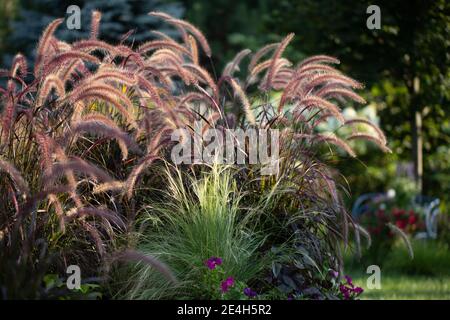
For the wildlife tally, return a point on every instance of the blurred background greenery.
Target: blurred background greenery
(404, 66)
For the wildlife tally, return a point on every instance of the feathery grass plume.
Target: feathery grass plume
(210, 100)
(253, 76)
(91, 45)
(277, 55)
(77, 165)
(396, 230)
(279, 65)
(50, 82)
(44, 44)
(194, 49)
(157, 76)
(19, 66)
(95, 24)
(162, 35)
(263, 66)
(312, 67)
(109, 186)
(134, 256)
(331, 138)
(119, 75)
(126, 36)
(48, 149)
(284, 75)
(60, 46)
(131, 57)
(54, 201)
(108, 94)
(260, 67)
(7, 117)
(290, 91)
(15, 175)
(162, 44)
(70, 176)
(314, 101)
(203, 76)
(333, 78)
(300, 85)
(279, 83)
(378, 141)
(59, 59)
(96, 212)
(179, 70)
(170, 61)
(99, 126)
(161, 55)
(370, 124)
(95, 235)
(259, 54)
(70, 71)
(159, 140)
(31, 203)
(150, 89)
(233, 66)
(188, 27)
(188, 97)
(319, 59)
(136, 172)
(332, 91)
(244, 100)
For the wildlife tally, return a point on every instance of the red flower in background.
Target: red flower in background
(406, 220)
(412, 218)
(401, 224)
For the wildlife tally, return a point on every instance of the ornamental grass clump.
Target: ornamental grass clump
(84, 134)
(196, 229)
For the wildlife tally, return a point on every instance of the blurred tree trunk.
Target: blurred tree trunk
(417, 138)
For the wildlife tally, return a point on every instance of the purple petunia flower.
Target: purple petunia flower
(349, 290)
(358, 290)
(250, 293)
(212, 262)
(345, 291)
(334, 274)
(227, 284)
(349, 280)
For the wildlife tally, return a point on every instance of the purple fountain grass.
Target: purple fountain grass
(56, 129)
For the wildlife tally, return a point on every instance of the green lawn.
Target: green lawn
(401, 287)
